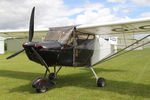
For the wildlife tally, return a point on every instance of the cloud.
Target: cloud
(95, 13)
(89, 13)
(142, 2)
(139, 2)
(146, 14)
(115, 1)
(16, 14)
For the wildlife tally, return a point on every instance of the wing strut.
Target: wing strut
(122, 50)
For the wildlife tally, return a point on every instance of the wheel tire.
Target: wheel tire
(40, 84)
(41, 90)
(101, 82)
(51, 76)
(34, 83)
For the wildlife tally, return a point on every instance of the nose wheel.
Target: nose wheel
(41, 90)
(42, 84)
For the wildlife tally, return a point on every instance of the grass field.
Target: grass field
(127, 77)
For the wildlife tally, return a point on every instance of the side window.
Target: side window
(84, 38)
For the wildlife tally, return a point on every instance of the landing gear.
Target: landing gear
(100, 81)
(42, 84)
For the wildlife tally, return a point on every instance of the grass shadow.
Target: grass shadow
(19, 74)
(83, 80)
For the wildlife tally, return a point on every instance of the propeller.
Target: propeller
(31, 26)
(31, 33)
(13, 55)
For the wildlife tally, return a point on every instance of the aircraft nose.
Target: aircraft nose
(32, 44)
(25, 44)
(37, 45)
(28, 44)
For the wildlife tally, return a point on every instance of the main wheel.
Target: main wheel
(35, 82)
(51, 76)
(41, 90)
(101, 82)
(41, 84)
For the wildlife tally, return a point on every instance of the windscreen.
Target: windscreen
(59, 34)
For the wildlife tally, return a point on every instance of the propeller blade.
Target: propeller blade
(15, 54)
(41, 59)
(31, 26)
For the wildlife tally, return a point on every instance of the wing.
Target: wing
(138, 26)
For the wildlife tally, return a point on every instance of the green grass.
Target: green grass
(127, 77)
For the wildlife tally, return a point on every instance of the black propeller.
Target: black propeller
(31, 33)
(15, 54)
(31, 26)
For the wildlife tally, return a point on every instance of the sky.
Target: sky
(15, 14)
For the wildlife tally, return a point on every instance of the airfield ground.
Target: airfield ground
(127, 77)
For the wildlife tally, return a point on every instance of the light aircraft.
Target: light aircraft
(80, 46)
